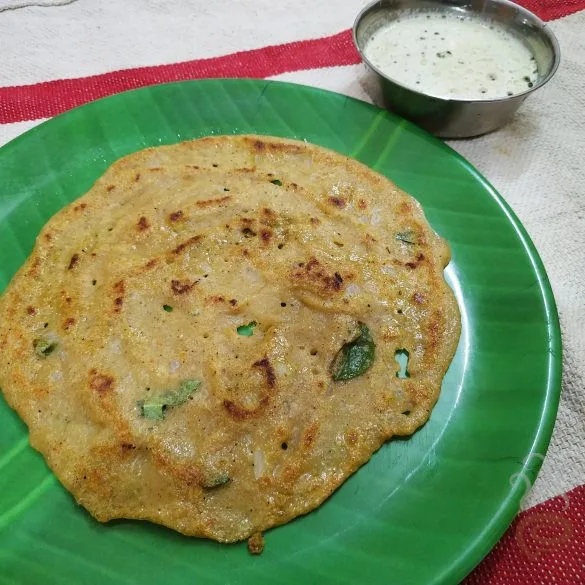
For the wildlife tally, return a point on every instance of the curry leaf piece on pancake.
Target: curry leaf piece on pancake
(355, 357)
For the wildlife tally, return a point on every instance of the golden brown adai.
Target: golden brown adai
(207, 338)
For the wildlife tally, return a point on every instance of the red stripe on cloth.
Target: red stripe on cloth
(43, 100)
(545, 544)
(553, 9)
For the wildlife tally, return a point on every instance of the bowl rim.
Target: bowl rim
(543, 27)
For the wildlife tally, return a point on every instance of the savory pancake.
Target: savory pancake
(214, 337)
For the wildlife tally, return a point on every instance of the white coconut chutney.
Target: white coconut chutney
(452, 56)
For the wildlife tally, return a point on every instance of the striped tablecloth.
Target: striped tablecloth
(58, 54)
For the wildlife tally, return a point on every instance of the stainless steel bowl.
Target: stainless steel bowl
(457, 118)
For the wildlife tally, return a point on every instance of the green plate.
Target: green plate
(424, 510)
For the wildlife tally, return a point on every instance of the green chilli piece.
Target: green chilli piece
(277, 182)
(168, 308)
(355, 357)
(217, 481)
(247, 330)
(154, 408)
(44, 347)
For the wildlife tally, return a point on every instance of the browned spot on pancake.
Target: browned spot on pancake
(233, 302)
(265, 235)
(213, 202)
(137, 177)
(315, 273)
(434, 330)
(312, 263)
(30, 310)
(80, 207)
(369, 241)
(351, 437)
(142, 224)
(120, 289)
(187, 474)
(215, 300)
(362, 204)
(268, 216)
(196, 167)
(289, 474)
(155, 169)
(73, 262)
(48, 236)
(151, 263)
(181, 287)
(315, 221)
(389, 336)
(34, 269)
(310, 435)
(418, 393)
(176, 215)
(248, 233)
(68, 300)
(240, 413)
(69, 323)
(245, 252)
(100, 382)
(110, 188)
(256, 544)
(418, 298)
(260, 146)
(404, 208)
(337, 202)
(419, 259)
(186, 244)
(127, 446)
(266, 366)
